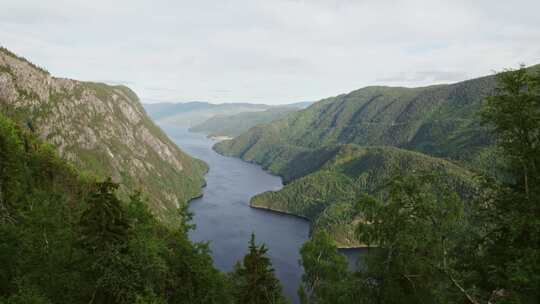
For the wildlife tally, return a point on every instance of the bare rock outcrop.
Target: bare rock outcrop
(102, 129)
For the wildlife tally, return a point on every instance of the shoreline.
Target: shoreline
(281, 212)
(250, 162)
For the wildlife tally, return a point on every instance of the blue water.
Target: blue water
(223, 216)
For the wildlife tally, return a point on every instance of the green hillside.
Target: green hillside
(327, 196)
(437, 120)
(234, 125)
(398, 129)
(100, 128)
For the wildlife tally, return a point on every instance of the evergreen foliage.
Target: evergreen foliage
(65, 238)
(254, 280)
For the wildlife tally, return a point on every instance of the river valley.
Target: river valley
(223, 216)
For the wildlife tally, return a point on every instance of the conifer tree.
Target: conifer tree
(104, 222)
(254, 278)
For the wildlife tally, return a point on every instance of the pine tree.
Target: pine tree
(254, 278)
(104, 222)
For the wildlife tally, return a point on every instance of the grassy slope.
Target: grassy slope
(327, 196)
(234, 125)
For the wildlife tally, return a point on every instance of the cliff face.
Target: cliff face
(102, 129)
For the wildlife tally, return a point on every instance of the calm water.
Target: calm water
(224, 218)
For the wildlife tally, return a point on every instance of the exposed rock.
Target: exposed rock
(102, 129)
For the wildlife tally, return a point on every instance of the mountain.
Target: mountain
(301, 104)
(327, 196)
(161, 110)
(192, 113)
(234, 125)
(101, 129)
(437, 120)
(385, 129)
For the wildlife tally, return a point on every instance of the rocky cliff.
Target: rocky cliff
(101, 129)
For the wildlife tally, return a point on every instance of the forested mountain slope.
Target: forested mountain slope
(397, 130)
(437, 120)
(100, 128)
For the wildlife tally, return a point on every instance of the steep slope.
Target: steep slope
(192, 113)
(327, 196)
(234, 125)
(100, 128)
(437, 120)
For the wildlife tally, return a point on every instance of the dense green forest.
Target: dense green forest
(426, 245)
(439, 120)
(66, 237)
(346, 146)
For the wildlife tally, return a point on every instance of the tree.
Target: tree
(104, 231)
(254, 279)
(509, 242)
(513, 115)
(104, 222)
(413, 233)
(11, 168)
(325, 278)
(66, 239)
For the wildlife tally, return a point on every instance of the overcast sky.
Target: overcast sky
(271, 51)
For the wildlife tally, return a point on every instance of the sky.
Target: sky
(271, 51)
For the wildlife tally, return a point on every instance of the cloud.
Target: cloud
(425, 76)
(270, 51)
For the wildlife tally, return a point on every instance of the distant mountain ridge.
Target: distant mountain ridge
(437, 120)
(197, 112)
(236, 124)
(192, 113)
(102, 129)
